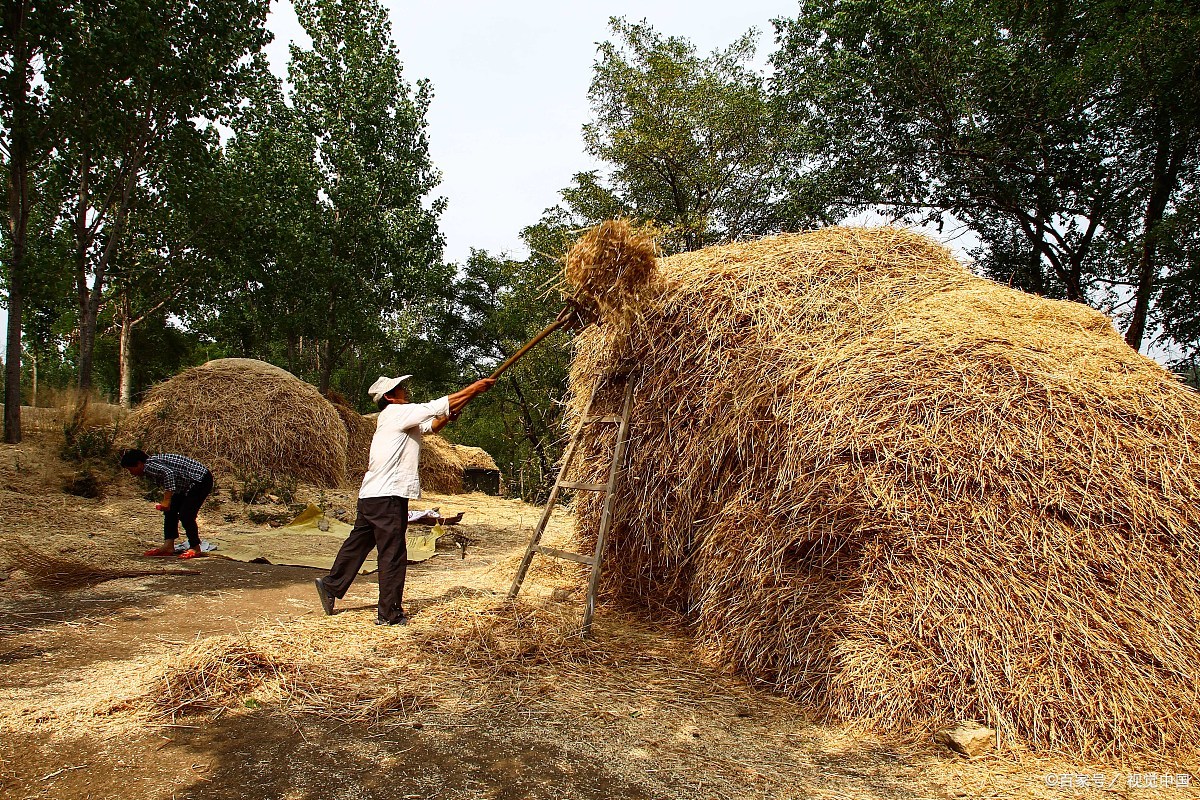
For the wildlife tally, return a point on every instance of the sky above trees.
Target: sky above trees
(510, 83)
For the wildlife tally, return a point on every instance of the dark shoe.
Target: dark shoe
(326, 597)
(400, 620)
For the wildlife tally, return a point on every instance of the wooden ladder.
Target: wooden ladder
(594, 560)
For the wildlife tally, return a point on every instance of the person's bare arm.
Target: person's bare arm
(459, 400)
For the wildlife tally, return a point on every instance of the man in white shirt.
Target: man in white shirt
(391, 481)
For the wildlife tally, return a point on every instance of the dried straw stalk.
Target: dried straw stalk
(905, 494)
(58, 572)
(359, 432)
(239, 415)
(470, 653)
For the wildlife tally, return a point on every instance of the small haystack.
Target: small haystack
(443, 464)
(242, 416)
(905, 494)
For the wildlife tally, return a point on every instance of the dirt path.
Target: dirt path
(694, 732)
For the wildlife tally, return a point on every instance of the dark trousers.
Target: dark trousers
(382, 523)
(184, 508)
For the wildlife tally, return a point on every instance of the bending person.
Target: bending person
(186, 483)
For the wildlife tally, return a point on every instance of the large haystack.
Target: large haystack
(242, 416)
(908, 495)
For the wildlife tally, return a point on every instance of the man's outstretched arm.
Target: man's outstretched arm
(459, 400)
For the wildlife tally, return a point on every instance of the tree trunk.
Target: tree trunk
(535, 441)
(89, 299)
(326, 370)
(19, 147)
(87, 340)
(33, 388)
(1168, 158)
(291, 352)
(12, 361)
(124, 357)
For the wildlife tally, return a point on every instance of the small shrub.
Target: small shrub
(81, 442)
(273, 518)
(254, 488)
(84, 482)
(285, 490)
(249, 488)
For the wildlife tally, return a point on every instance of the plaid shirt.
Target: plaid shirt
(174, 473)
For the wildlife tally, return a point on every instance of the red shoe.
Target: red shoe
(190, 553)
(158, 553)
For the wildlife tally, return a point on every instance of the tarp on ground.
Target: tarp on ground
(311, 539)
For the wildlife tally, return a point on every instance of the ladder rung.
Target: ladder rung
(601, 419)
(588, 487)
(563, 554)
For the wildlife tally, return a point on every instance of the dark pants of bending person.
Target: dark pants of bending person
(382, 523)
(184, 508)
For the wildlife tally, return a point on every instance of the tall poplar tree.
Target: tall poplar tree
(362, 129)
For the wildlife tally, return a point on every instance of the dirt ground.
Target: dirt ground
(643, 715)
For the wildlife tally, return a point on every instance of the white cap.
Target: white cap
(383, 385)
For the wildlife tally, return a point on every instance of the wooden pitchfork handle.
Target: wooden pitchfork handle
(564, 317)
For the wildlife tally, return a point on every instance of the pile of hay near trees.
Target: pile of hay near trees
(359, 431)
(442, 462)
(904, 494)
(242, 416)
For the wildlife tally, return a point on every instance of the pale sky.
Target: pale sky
(510, 97)
(510, 93)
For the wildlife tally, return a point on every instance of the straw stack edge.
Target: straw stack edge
(900, 493)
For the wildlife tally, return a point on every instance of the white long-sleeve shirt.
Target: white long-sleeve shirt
(396, 448)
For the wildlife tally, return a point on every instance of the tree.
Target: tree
(29, 40)
(501, 304)
(1155, 107)
(1021, 119)
(376, 245)
(165, 261)
(691, 139)
(134, 76)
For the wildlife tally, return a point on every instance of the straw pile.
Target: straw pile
(614, 262)
(242, 416)
(359, 431)
(443, 463)
(481, 653)
(904, 494)
(58, 572)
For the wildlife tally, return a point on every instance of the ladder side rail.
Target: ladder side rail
(538, 532)
(614, 471)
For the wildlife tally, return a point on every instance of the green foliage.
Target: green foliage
(262, 517)
(252, 488)
(334, 253)
(501, 304)
(691, 140)
(1060, 133)
(83, 441)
